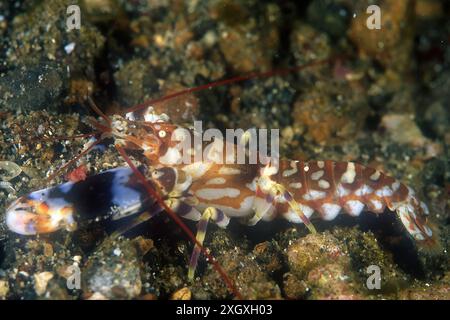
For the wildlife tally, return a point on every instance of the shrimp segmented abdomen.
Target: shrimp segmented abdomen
(330, 187)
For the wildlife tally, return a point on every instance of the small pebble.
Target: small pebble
(69, 48)
(40, 282)
(182, 294)
(4, 289)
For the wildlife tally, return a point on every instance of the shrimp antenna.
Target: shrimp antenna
(100, 113)
(97, 110)
(72, 161)
(58, 138)
(253, 75)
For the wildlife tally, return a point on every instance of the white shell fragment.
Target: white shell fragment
(69, 47)
(9, 170)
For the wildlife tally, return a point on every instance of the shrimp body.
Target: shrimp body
(290, 189)
(195, 182)
(257, 192)
(191, 180)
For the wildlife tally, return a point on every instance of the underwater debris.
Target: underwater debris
(393, 46)
(41, 281)
(113, 272)
(4, 289)
(9, 170)
(7, 186)
(182, 294)
(254, 283)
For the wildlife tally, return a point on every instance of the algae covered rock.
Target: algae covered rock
(322, 265)
(113, 272)
(392, 44)
(43, 56)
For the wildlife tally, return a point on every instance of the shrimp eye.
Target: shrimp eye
(162, 134)
(157, 174)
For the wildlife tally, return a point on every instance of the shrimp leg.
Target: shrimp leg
(220, 219)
